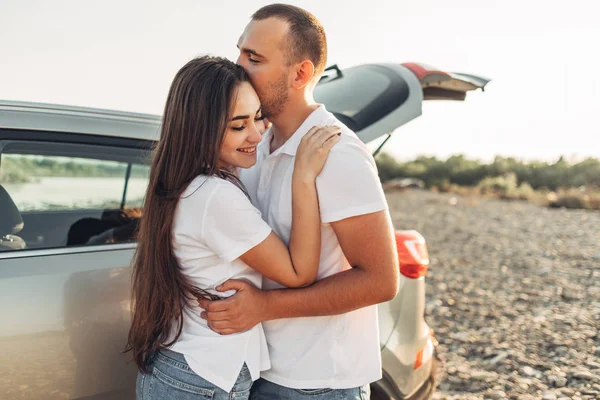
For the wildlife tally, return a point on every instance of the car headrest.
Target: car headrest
(10, 217)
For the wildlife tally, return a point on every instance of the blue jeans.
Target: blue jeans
(171, 377)
(265, 390)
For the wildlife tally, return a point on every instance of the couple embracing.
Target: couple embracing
(266, 240)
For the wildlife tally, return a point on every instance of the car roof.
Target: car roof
(20, 115)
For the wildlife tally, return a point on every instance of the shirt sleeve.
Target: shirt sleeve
(232, 225)
(349, 184)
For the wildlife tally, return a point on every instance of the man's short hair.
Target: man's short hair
(306, 36)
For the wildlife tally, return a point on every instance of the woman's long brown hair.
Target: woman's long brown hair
(194, 123)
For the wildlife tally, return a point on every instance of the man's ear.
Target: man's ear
(305, 72)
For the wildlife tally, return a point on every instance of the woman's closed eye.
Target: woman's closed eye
(241, 128)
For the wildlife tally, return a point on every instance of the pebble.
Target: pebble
(495, 395)
(484, 376)
(528, 371)
(557, 381)
(499, 358)
(567, 391)
(585, 375)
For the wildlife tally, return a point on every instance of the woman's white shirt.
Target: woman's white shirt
(215, 223)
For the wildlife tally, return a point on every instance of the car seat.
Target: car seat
(11, 222)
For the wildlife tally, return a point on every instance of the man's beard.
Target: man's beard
(274, 98)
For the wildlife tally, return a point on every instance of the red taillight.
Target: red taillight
(419, 359)
(412, 254)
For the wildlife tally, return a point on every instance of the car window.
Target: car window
(63, 194)
(363, 95)
(47, 183)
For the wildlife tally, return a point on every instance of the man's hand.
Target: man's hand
(237, 313)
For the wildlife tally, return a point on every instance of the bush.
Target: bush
(499, 185)
(14, 176)
(387, 167)
(523, 192)
(575, 198)
(593, 202)
(569, 201)
(459, 170)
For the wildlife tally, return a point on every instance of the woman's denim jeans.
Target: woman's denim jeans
(171, 377)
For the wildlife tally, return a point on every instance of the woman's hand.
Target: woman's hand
(314, 149)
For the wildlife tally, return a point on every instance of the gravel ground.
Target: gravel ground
(513, 295)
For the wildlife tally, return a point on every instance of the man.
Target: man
(333, 351)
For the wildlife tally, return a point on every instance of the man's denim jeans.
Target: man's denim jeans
(265, 390)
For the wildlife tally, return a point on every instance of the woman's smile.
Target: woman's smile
(247, 150)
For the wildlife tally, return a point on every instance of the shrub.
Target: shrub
(14, 176)
(499, 185)
(569, 201)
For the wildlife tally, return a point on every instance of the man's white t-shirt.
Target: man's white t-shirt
(340, 351)
(215, 223)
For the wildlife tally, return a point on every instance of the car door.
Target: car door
(375, 99)
(441, 85)
(65, 290)
(371, 99)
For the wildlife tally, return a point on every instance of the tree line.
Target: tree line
(22, 169)
(459, 170)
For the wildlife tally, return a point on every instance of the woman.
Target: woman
(200, 229)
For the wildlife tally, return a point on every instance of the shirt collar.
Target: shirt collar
(317, 117)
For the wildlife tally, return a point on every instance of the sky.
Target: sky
(543, 101)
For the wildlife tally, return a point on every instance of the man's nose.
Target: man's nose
(240, 60)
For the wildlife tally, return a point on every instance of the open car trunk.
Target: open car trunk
(375, 99)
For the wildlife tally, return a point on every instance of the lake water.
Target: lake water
(64, 192)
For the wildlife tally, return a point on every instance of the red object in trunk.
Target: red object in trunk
(412, 254)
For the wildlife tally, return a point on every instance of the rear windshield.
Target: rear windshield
(363, 95)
